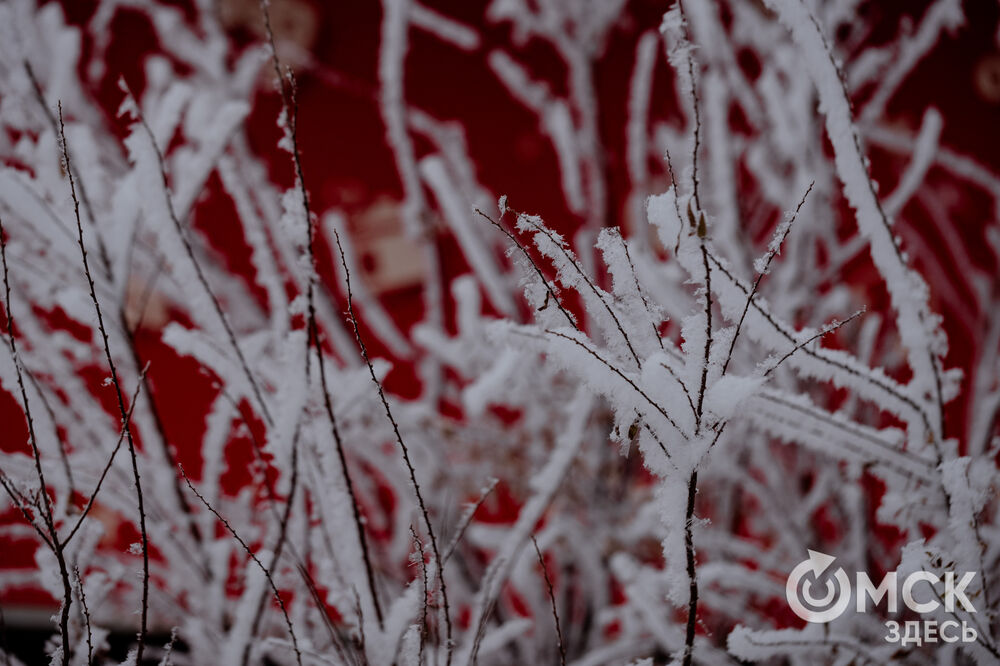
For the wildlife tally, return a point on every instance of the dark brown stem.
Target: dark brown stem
(708, 337)
(46, 505)
(15, 357)
(23, 505)
(772, 251)
(60, 439)
(123, 411)
(289, 101)
(282, 539)
(466, 520)
(402, 447)
(692, 613)
(549, 289)
(86, 616)
(687, 394)
(583, 275)
(638, 287)
(621, 374)
(160, 429)
(107, 468)
(256, 560)
(199, 272)
(54, 123)
(552, 600)
(677, 206)
(423, 605)
(342, 458)
(694, 104)
(826, 329)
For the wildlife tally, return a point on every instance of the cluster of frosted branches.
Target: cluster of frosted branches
(678, 408)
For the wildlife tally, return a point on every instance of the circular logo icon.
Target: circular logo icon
(825, 605)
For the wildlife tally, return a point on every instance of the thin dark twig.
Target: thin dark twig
(15, 357)
(336, 635)
(272, 496)
(621, 374)
(198, 271)
(583, 275)
(552, 600)
(697, 134)
(60, 438)
(466, 519)
(719, 429)
(692, 573)
(84, 198)
(129, 333)
(638, 287)
(549, 289)
(123, 411)
(107, 467)
(86, 616)
(677, 206)
(361, 620)
(773, 249)
(45, 506)
(279, 547)
(789, 335)
(402, 446)
(708, 336)
(660, 443)
(423, 605)
(342, 459)
(289, 101)
(692, 610)
(22, 504)
(823, 331)
(687, 394)
(702, 232)
(887, 226)
(256, 560)
(694, 104)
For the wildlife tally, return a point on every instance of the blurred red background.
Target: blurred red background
(349, 166)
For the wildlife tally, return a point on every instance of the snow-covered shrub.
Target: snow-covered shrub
(678, 406)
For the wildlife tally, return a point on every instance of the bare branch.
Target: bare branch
(126, 425)
(552, 600)
(256, 560)
(773, 249)
(402, 447)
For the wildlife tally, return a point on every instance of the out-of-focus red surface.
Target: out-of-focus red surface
(348, 165)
